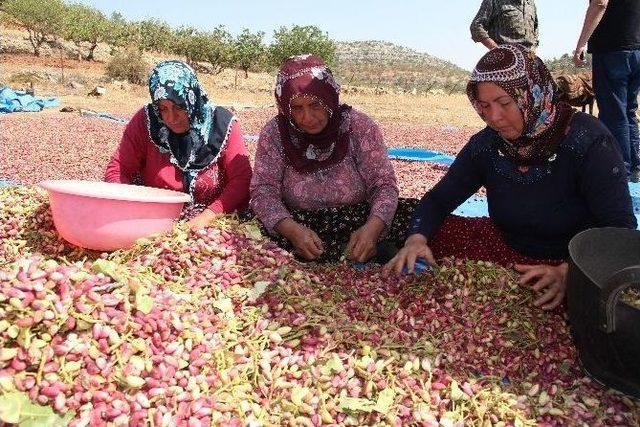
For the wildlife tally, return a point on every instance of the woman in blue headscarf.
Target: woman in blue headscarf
(181, 141)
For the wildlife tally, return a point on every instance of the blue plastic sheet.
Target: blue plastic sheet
(634, 190)
(419, 154)
(12, 101)
(6, 183)
(474, 206)
(101, 115)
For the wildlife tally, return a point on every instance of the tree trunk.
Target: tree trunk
(246, 73)
(61, 64)
(33, 39)
(90, 56)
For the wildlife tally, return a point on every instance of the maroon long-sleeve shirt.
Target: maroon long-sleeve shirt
(222, 187)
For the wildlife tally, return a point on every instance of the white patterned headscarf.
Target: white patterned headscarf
(525, 78)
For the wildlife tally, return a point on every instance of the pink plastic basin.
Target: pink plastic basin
(105, 216)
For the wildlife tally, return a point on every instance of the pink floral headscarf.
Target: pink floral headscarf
(307, 75)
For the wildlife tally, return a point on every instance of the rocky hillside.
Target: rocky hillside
(385, 65)
(380, 66)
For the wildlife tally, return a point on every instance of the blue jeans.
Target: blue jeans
(616, 83)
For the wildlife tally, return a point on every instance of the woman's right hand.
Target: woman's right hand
(305, 241)
(414, 247)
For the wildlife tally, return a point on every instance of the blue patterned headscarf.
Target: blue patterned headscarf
(209, 126)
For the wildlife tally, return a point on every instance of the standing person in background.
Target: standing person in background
(612, 29)
(506, 21)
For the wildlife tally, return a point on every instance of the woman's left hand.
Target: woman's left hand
(363, 241)
(201, 220)
(551, 278)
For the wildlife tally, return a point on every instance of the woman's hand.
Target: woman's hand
(201, 220)
(415, 247)
(362, 243)
(553, 279)
(305, 241)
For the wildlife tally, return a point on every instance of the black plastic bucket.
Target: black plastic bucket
(603, 263)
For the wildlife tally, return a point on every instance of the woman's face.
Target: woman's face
(173, 116)
(499, 110)
(309, 115)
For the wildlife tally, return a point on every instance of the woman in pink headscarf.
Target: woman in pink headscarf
(323, 185)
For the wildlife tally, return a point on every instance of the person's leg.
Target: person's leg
(334, 227)
(632, 107)
(394, 238)
(610, 84)
(477, 239)
(397, 233)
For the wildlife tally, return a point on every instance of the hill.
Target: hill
(385, 65)
(381, 66)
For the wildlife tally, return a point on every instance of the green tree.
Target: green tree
(43, 19)
(248, 50)
(217, 49)
(121, 33)
(117, 24)
(85, 24)
(153, 35)
(300, 40)
(212, 47)
(183, 43)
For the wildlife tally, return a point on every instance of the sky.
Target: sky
(439, 28)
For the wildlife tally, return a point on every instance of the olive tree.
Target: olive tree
(43, 19)
(300, 40)
(85, 24)
(248, 50)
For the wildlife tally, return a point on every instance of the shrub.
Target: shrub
(128, 65)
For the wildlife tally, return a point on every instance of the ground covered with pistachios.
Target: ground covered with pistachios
(220, 327)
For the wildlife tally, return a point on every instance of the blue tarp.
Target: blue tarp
(474, 206)
(12, 101)
(420, 154)
(101, 115)
(6, 183)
